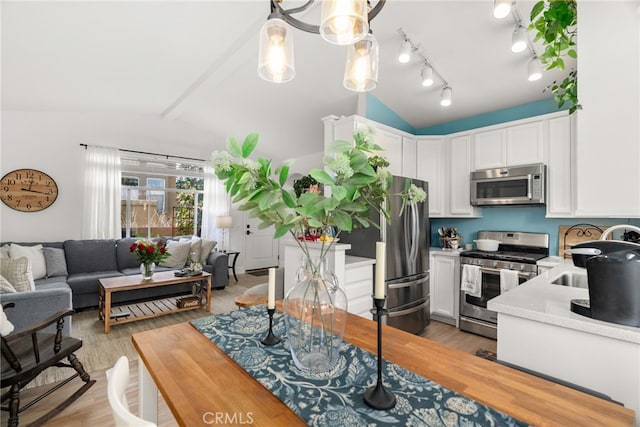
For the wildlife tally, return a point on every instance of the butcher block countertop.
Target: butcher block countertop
(175, 354)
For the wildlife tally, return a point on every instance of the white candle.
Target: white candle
(271, 302)
(381, 254)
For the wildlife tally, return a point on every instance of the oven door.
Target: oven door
(476, 307)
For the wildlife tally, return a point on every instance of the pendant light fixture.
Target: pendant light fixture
(361, 70)
(342, 22)
(276, 61)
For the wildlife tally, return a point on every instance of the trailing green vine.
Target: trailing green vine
(555, 23)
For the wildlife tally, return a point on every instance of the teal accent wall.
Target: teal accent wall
(518, 112)
(379, 112)
(521, 218)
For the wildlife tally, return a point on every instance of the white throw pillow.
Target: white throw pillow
(18, 273)
(6, 287)
(6, 327)
(179, 254)
(205, 250)
(196, 245)
(35, 255)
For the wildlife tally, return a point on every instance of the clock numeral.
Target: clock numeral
(11, 182)
(28, 206)
(30, 174)
(9, 197)
(40, 203)
(18, 203)
(18, 176)
(5, 188)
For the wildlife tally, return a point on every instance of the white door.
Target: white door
(261, 249)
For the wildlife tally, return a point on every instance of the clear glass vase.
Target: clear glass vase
(147, 269)
(317, 314)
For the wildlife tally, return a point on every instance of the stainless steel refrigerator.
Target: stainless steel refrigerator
(407, 270)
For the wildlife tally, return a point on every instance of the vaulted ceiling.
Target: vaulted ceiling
(196, 62)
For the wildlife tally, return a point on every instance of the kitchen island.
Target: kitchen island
(538, 331)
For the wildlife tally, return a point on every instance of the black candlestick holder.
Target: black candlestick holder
(377, 396)
(270, 339)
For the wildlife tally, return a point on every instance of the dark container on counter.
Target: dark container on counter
(614, 287)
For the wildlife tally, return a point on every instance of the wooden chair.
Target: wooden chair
(118, 378)
(26, 353)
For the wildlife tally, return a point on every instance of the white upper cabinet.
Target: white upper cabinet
(409, 157)
(508, 146)
(391, 143)
(459, 193)
(558, 150)
(607, 145)
(431, 161)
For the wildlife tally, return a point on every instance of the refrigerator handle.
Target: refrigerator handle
(415, 232)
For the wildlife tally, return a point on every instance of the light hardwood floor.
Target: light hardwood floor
(92, 409)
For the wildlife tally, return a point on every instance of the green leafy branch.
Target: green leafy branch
(555, 23)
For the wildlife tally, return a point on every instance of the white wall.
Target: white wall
(50, 142)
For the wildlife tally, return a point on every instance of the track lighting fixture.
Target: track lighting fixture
(427, 75)
(519, 39)
(405, 52)
(501, 8)
(428, 70)
(445, 96)
(534, 69)
(342, 22)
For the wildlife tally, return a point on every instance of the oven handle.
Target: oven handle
(489, 270)
(529, 186)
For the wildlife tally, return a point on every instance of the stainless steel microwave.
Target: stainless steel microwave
(517, 185)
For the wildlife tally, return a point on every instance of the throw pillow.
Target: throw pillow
(6, 327)
(35, 255)
(18, 273)
(179, 254)
(4, 251)
(5, 287)
(196, 245)
(205, 250)
(55, 261)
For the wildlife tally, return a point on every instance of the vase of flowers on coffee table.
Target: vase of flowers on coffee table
(149, 254)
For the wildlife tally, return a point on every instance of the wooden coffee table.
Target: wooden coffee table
(145, 310)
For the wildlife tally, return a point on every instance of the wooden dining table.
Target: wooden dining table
(203, 386)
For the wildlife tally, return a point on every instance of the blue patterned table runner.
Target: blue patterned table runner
(335, 398)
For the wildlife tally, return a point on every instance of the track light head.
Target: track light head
(501, 8)
(427, 75)
(405, 51)
(445, 96)
(534, 70)
(519, 39)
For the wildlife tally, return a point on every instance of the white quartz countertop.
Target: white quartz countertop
(358, 261)
(554, 261)
(317, 245)
(540, 300)
(445, 252)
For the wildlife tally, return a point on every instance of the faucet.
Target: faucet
(608, 231)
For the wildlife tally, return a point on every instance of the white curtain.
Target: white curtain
(101, 211)
(216, 202)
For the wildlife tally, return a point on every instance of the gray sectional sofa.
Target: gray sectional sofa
(87, 261)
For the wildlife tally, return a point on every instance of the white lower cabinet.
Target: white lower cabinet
(358, 285)
(444, 285)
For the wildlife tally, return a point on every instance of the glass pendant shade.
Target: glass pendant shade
(344, 22)
(501, 8)
(445, 96)
(534, 70)
(276, 60)
(427, 76)
(519, 40)
(361, 70)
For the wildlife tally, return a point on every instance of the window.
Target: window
(157, 195)
(128, 183)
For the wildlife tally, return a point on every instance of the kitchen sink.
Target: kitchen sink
(574, 280)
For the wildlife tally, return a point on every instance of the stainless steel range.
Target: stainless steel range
(517, 252)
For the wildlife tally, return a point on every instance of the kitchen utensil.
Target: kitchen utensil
(488, 245)
(614, 287)
(581, 252)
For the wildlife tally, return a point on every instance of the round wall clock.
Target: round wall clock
(28, 190)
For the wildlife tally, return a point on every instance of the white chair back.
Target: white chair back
(117, 381)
